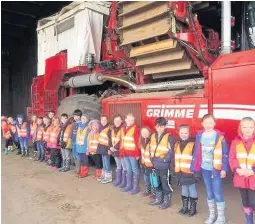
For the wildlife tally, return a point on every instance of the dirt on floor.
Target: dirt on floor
(34, 194)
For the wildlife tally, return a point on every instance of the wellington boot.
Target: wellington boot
(83, 172)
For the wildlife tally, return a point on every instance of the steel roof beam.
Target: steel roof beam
(16, 12)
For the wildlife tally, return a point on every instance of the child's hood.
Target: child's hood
(20, 116)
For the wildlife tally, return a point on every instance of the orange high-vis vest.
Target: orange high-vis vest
(39, 133)
(67, 133)
(183, 160)
(162, 148)
(127, 139)
(54, 132)
(93, 141)
(115, 137)
(33, 127)
(245, 160)
(217, 154)
(22, 132)
(6, 130)
(46, 133)
(81, 135)
(146, 156)
(103, 137)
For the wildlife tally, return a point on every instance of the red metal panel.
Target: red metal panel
(178, 110)
(54, 70)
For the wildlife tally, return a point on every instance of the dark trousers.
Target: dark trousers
(84, 159)
(56, 157)
(164, 181)
(248, 198)
(98, 161)
(8, 142)
(35, 146)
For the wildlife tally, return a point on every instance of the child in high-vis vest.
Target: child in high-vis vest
(242, 163)
(104, 150)
(14, 133)
(183, 152)
(93, 141)
(38, 139)
(130, 151)
(56, 158)
(65, 143)
(146, 163)
(81, 145)
(77, 119)
(210, 158)
(33, 126)
(114, 146)
(23, 130)
(161, 148)
(6, 134)
(46, 137)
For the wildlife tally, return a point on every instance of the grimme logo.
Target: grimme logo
(171, 111)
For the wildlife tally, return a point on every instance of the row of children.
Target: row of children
(160, 157)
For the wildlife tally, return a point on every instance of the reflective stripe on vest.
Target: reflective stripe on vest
(127, 139)
(103, 137)
(145, 156)
(54, 135)
(115, 138)
(245, 160)
(39, 134)
(183, 160)
(81, 135)
(67, 133)
(22, 132)
(217, 154)
(46, 134)
(93, 141)
(163, 147)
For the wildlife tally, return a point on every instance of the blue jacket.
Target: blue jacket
(83, 148)
(197, 155)
(19, 125)
(74, 131)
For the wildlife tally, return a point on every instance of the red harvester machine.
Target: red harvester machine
(171, 59)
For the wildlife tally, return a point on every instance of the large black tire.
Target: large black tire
(90, 104)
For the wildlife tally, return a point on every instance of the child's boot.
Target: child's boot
(102, 176)
(158, 200)
(185, 205)
(136, 187)
(83, 172)
(123, 179)
(248, 215)
(166, 201)
(153, 193)
(6, 151)
(212, 213)
(63, 165)
(118, 178)
(221, 219)
(68, 164)
(193, 207)
(129, 185)
(108, 177)
(77, 166)
(22, 153)
(99, 174)
(147, 190)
